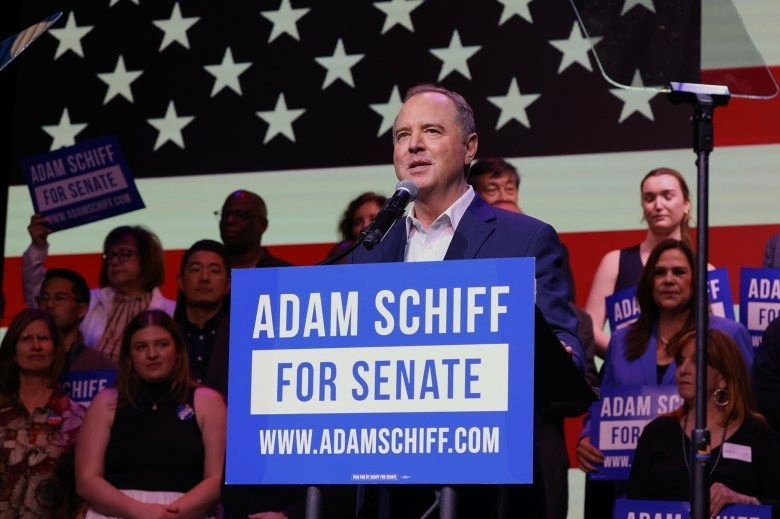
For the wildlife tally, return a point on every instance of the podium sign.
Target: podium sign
(382, 373)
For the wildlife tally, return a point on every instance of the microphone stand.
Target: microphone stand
(704, 99)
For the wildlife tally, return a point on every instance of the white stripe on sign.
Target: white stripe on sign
(761, 314)
(620, 434)
(402, 379)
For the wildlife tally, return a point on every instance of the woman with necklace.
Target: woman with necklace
(744, 465)
(38, 422)
(152, 447)
(639, 354)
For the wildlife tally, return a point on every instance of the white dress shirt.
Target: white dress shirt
(432, 244)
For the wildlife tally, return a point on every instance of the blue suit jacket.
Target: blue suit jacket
(487, 232)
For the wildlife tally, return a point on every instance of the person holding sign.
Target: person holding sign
(639, 354)
(154, 445)
(38, 422)
(435, 142)
(666, 207)
(132, 271)
(744, 463)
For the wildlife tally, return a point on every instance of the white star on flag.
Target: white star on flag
(635, 99)
(339, 65)
(455, 57)
(515, 7)
(64, 133)
(170, 127)
(398, 12)
(388, 110)
(280, 120)
(630, 4)
(176, 28)
(285, 20)
(575, 49)
(226, 73)
(119, 81)
(69, 37)
(513, 105)
(114, 2)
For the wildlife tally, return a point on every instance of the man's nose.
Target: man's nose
(416, 141)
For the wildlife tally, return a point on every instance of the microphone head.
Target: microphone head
(409, 186)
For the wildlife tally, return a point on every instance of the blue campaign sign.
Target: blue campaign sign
(645, 509)
(719, 289)
(82, 386)
(618, 419)
(759, 298)
(382, 373)
(81, 184)
(622, 308)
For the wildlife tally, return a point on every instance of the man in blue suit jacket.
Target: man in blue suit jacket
(434, 143)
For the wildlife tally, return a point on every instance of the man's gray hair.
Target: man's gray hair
(465, 115)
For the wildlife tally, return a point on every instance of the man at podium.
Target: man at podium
(434, 143)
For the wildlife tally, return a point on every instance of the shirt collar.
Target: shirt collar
(453, 213)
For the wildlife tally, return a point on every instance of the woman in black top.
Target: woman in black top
(152, 447)
(744, 467)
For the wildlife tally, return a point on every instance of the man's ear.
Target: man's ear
(471, 147)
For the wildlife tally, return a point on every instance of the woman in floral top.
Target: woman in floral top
(38, 423)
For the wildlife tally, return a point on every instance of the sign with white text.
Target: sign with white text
(759, 300)
(618, 419)
(83, 386)
(382, 373)
(645, 509)
(80, 184)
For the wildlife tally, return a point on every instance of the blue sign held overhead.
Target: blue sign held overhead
(81, 184)
(618, 419)
(759, 297)
(383, 373)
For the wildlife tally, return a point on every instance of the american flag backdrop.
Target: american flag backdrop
(295, 100)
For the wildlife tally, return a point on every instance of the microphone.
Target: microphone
(405, 192)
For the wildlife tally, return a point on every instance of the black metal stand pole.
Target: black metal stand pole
(704, 99)
(448, 504)
(313, 503)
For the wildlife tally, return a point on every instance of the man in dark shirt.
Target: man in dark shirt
(204, 283)
(65, 296)
(242, 222)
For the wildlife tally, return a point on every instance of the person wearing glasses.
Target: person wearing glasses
(65, 297)
(38, 422)
(242, 222)
(130, 276)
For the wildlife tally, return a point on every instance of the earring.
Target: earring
(721, 397)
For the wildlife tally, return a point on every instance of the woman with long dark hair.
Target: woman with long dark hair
(666, 208)
(154, 445)
(38, 422)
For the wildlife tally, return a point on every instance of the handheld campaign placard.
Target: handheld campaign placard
(81, 184)
(623, 308)
(382, 373)
(759, 298)
(83, 386)
(645, 509)
(618, 419)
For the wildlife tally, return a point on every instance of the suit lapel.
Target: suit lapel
(394, 244)
(477, 224)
